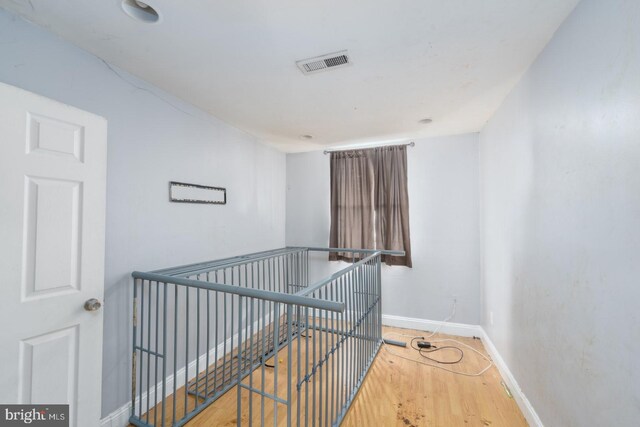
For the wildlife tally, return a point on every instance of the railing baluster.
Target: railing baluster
(164, 353)
(141, 358)
(251, 360)
(155, 361)
(306, 367)
(134, 353)
(206, 377)
(289, 358)
(197, 381)
(239, 380)
(224, 317)
(186, 352)
(262, 356)
(217, 343)
(276, 343)
(175, 351)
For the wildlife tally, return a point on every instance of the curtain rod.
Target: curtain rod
(411, 144)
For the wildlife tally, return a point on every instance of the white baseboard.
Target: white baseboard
(459, 329)
(120, 417)
(525, 406)
(465, 330)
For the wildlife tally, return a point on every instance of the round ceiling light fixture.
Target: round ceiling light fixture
(425, 121)
(140, 11)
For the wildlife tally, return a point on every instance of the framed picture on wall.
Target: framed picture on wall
(182, 192)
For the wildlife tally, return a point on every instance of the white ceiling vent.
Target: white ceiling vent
(325, 62)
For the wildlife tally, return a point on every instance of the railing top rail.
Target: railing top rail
(315, 286)
(372, 254)
(361, 251)
(240, 260)
(190, 269)
(200, 267)
(241, 291)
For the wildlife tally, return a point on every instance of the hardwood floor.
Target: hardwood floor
(396, 392)
(399, 392)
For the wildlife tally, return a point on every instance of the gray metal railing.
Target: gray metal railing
(200, 330)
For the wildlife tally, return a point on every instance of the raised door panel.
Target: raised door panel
(52, 235)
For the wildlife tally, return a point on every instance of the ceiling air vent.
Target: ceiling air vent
(324, 62)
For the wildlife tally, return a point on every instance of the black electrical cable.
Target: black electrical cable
(264, 359)
(433, 348)
(264, 362)
(273, 366)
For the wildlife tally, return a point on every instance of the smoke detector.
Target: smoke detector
(329, 61)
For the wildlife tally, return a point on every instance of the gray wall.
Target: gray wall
(443, 204)
(153, 138)
(560, 167)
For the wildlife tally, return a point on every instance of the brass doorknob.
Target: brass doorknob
(92, 304)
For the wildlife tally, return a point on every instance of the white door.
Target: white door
(52, 211)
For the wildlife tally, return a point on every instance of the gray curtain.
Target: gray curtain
(370, 202)
(391, 201)
(352, 212)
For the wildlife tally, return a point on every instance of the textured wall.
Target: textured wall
(560, 167)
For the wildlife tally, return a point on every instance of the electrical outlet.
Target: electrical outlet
(491, 318)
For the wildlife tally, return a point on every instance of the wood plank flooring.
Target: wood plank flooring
(396, 392)
(399, 392)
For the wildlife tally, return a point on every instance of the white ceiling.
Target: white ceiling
(450, 60)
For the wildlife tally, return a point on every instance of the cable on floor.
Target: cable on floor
(423, 351)
(387, 347)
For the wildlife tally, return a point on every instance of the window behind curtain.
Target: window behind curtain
(370, 202)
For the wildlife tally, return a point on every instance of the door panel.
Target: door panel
(50, 136)
(49, 367)
(52, 209)
(52, 236)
